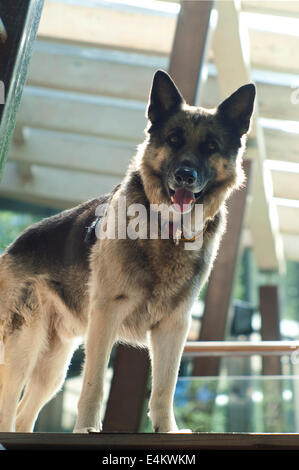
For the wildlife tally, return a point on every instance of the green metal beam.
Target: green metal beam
(19, 24)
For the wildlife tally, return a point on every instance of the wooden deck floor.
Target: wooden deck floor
(195, 441)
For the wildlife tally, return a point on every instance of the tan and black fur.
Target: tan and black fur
(59, 282)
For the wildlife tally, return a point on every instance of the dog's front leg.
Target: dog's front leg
(167, 343)
(102, 332)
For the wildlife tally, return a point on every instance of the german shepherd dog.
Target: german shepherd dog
(60, 282)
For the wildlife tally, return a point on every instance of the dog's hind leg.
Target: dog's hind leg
(45, 381)
(21, 350)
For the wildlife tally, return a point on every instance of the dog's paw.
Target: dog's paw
(180, 431)
(87, 430)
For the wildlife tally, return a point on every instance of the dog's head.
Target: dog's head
(191, 154)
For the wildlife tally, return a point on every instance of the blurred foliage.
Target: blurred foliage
(12, 224)
(234, 404)
(248, 279)
(239, 285)
(290, 291)
(194, 404)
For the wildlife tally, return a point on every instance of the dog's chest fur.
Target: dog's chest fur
(148, 279)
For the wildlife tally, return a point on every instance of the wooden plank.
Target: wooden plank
(288, 216)
(270, 315)
(290, 241)
(85, 114)
(291, 246)
(218, 295)
(196, 441)
(93, 70)
(274, 51)
(118, 27)
(273, 7)
(128, 390)
(285, 181)
(60, 189)
(73, 152)
(275, 101)
(281, 145)
(97, 71)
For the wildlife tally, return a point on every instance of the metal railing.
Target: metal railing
(241, 348)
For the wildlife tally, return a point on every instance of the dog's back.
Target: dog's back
(55, 251)
(57, 240)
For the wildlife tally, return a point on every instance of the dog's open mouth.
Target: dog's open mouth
(183, 199)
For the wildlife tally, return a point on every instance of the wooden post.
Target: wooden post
(126, 398)
(272, 405)
(128, 390)
(269, 309)
(189, 46)
(220, 285)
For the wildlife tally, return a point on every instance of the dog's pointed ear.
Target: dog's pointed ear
(165, 97)
(237, 109)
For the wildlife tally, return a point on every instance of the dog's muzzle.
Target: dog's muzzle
(185, 186)
(185, 176)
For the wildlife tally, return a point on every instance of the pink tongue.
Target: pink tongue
(183, 197)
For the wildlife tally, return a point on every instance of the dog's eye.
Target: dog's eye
(212, 146)
(174, 140)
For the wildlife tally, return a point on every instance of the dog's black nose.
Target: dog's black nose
(185, 176)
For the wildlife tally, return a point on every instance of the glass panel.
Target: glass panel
(238, 404)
